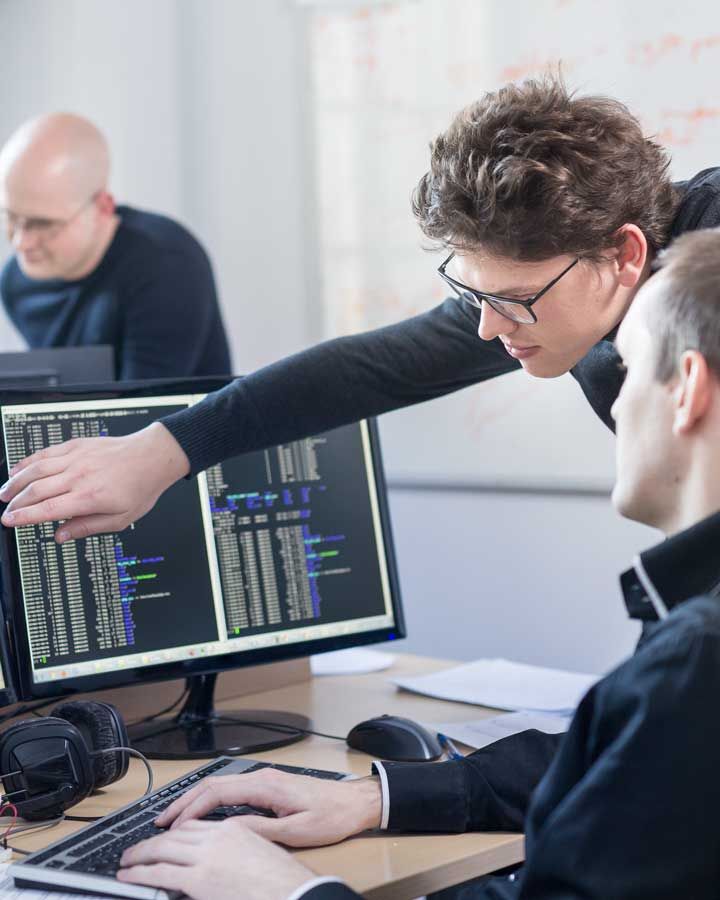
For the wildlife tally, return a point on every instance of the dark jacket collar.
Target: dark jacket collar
(683, 566)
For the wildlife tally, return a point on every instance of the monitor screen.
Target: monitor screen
(49, 366)
(269, 555)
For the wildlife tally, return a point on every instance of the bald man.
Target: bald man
(86, 271)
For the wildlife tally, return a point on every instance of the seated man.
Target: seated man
(628, 807)
(88, 272)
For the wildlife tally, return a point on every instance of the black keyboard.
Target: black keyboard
(88, 860)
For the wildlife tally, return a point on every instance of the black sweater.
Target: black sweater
(152, 297)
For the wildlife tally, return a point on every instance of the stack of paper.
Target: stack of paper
(482, 732)
(353, 661)
(502, 684)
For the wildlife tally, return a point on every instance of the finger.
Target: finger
(165, 848)
(86, 526)
(197, 809)
(46, 453)
(32, 474)
(188, 799)
(52, 485)
(81, 508)
(261, 789)
(53, 509)
(163, 875)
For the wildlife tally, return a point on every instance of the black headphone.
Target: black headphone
(49, 764)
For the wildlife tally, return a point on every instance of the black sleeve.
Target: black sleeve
(642, 820)
(489, 790)
(341, 381)
(168, 312)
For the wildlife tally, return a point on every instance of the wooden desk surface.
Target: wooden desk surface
(377, 865)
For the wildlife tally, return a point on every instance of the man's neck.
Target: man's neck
(699, 493)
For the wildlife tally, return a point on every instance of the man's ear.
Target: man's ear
(631, 256)
(105, 203)
(692, 392)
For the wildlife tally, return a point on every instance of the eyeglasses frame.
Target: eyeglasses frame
(53, 227)
(479, 296)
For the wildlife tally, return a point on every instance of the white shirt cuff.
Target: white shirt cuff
(314, 882)
(385, 791)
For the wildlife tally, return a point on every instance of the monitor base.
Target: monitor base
(201, 732)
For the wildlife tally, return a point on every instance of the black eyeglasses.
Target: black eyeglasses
(515, 310)
(43, 229)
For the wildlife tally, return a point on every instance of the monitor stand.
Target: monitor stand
(199, 731)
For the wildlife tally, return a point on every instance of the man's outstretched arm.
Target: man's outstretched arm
(105, 484)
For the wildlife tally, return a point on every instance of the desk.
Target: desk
(378, 866)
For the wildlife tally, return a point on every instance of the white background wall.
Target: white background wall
(206, 106)
(202, 105)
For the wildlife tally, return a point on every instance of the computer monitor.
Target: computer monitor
(271, 555)
(51, 366)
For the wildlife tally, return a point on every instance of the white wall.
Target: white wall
(530, 578)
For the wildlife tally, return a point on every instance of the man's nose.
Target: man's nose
(492, 324)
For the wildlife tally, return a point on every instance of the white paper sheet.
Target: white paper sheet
(353, 661)
(480, 733)
(8, 891)
(502, 684)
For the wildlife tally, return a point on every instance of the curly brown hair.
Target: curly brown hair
(533, 171)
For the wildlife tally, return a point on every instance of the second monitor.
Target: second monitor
(50, 366)
(267, 556)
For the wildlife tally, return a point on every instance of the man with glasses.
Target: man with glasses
(554, 207)
(629, 807)
(85, 271)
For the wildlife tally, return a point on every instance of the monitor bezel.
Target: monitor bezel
(12, 599)
(8, 694)
(67, 365)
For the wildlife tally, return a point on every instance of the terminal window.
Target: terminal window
(270, 547)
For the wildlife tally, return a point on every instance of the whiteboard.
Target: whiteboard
(385, 79)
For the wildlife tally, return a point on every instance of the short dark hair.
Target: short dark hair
(533, 171)
(688, 313)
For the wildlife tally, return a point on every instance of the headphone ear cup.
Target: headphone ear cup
(102, 727)
(48, 765)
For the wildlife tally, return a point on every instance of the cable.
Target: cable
(36, 826)
(162, 712)
(279, 726)
(3, 809)
(31, 707)
(132, 752)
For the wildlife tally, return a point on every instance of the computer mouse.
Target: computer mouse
(395, 738)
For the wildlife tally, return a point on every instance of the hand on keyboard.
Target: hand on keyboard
(310, 812)
(214, 861)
